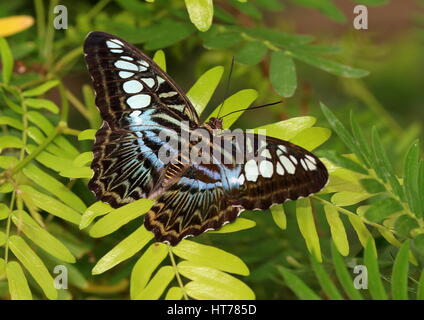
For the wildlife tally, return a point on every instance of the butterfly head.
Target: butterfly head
(215, 123)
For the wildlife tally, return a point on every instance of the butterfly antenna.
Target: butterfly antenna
(252, 108)
(227, 89)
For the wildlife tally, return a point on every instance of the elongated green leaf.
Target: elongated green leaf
(83, 159)
(202, 91)
(210, 257)
(50, 204)
(10, 142)
(169, 33)
(34, 265)
(7, 161)
(123, 250)
(41, 88)
(347, 198)
(160, 59)
(251, 53)
(42, 104)
(288, 129)
(299, 287)
(41, 237)
(279, 216)
(11, 122)
(411, 178)
(76, 172)
(283, 74)
(400, 273)
(97, 209)
(18, 285)
(2, 238)
(55, 187)
(88, 134)
(362, 147)
(338, 232)
(343, 275)
(375, 285)
(6, 60)
(174, 293)
(239, 100)
(222, 40)
(119, 217)
(329, 66)
(361, 230)
(342, 161)
(209, 283)
(238, 225)
(145, 266)
(311, 138)
(40, 121)
(278, 37)
(305, 220)
(200, 12)
(51, 161)
(157, 285)
(324, 280)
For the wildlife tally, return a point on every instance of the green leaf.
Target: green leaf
(305, 220)
(239, 100)
(10, 142)
(18, 285)
(210, 256)
(174, 293)
(283, 74)
(201, 13)
(247, 8)
(41, 88)
(89, 134)
(372, 186)
(299, 287)
(347, 198)
(222, 40)
(6, 60)
(405, 224)
(202, 91)
(2, 238)
(400, 274)
(145, 266)
(341, 161)
(288, 129)
(361, 230)
(11, 122)
(76, 172)
(343, 275)
(41, 237)
(278, 37)
(279, 216)
(97, 209)
(338, 232)
(311, 138)
(119, 217)
(42, 104)
(411, 179)
(157, 285)
(329, 66)
(251, 53)
(326, 7)
(34, 265)
(50, 184)
(160, 59)
(238, 225)
(168, 33)
(362, 148)
(50, 205)
(7, 161)
(324, 280)
(123, 250)
(209, 283)
(375, 286)
(83, 159)
(4, 211)
(382, 208)
(40, 121)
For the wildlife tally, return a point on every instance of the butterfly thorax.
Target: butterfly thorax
(214, 123)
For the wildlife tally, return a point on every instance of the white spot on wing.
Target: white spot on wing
(293, 159)
(251, 170)
(126, 58)
(132, 86)
(117, 41)
(310, 158)
(148, 81)
(125, 74)
(302, 162)
(121, 64)
(280, 169)
(139, 101)
(288, 164)
(144, 63)
(241, 179)
(117, 50)
(112, 45)
(310, 165)
(167, 94)
(266, 154)
(266, 168)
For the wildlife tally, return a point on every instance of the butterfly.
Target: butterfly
(138, 102)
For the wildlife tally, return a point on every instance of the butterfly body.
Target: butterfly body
(207, 176)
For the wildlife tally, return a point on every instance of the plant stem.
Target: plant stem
(9, 220)
(48, 43)
(78, 105)
(41, 23)
(177, 274)
(96, 9)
